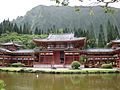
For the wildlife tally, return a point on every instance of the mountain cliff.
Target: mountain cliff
(47, 17)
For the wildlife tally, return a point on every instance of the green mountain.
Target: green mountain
(52, 17)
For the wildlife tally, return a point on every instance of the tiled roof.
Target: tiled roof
(29, 51)
(116, 41)
(113, 41)
(100, 50)
(10, 43)
(24, 51)
(60, 37)
(4, 50)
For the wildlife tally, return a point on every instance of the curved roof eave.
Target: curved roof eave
(70, 40)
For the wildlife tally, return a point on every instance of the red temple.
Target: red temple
(60, 50)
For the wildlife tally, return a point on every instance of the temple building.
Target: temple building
(11, 46)
(59, 50)
(55, 50)
(98, 56)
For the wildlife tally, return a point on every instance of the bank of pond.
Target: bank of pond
(59, 70)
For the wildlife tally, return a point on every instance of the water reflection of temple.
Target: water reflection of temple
(59, 50)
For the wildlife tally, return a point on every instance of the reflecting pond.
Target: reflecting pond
(33, 81)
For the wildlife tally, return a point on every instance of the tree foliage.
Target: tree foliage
(75, 65)
(2, 85)
(66, 2)
(11, 32)
(24, 39)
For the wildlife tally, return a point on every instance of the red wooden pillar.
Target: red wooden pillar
(42, 58)
(39, 57)
(53, 61)
(79, 55)
(17, 59)
(73, 57)
(3, 60)
(64, 60)
(22, 59)
(118, 62)
(28, 60)
(94, 62)
(45, 58)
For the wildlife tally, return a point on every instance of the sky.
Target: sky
(13, 8)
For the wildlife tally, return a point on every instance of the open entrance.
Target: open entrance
(61, 56)
(58, 57)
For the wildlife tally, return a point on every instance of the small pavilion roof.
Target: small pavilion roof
(116, 41)
(4, 50)
(113, 42)
(10, 43)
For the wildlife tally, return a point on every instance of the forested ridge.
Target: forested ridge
(42, 20)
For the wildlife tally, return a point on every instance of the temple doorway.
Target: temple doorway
(58, 57)
(61, 57)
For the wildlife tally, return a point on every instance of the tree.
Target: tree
(66, 2)
(117, 35)
(15, 28)
(20, 30)
(36, 31)
(105, 5)
(112, 32)
(91, 40)
(101, 38)
(26, 28)
(83, 58)
(1, 29)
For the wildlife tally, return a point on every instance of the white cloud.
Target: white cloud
(13, 8)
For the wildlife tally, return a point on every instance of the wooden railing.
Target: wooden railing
(102, 57)
(24, 58)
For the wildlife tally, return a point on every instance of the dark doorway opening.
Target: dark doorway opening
(61, 56)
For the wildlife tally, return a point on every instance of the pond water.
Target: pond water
(33, 81)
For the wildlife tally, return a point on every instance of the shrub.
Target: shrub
(75, 65)
(107, 66)
(83, 58)
(2, 85)
(19, 64)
